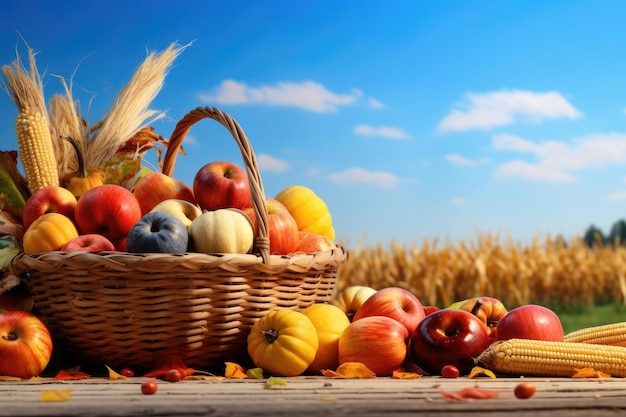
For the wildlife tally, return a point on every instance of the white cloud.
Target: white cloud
(383, 131)
(458, 201)
(361, 176)
(556, 161)
(533, 172)
(506, 107)
(617, 196)
(461, 161)
(269, 163)
(375, 104)
(307, 95)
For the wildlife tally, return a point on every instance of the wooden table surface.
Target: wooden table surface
(314, 396)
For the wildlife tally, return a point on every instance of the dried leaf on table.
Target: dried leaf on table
(70, 375)
(273, 381)
(350, 370)
(56, 395)
(235, 371)
(114, 375)
(479, 371)
(404, 374)
(471, 393)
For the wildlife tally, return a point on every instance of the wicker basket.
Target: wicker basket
(134, 310)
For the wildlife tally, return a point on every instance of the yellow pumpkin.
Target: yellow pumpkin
(48, 233)
(283, 342)
(309, 210)
(85, 178)
(330, 322)
(351, 298)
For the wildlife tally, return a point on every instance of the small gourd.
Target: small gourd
(283, 342)
(85, 178)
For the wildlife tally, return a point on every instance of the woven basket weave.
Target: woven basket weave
(135, 310)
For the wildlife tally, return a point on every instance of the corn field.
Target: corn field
(565, 276)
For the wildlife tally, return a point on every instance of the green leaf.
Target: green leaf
(272, 381)
(255, 373)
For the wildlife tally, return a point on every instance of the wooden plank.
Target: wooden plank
(313, 396)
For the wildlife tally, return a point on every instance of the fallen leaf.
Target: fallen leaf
(114, 375)
(167, 363)
(209, 377)
(69, 375)
(478, 371)
(589, 373)
(255, 373)
(350, 370)
(404, 374)
(56, 395)
(235, 371)
(273, 381)
(473, 393)
(9, 378)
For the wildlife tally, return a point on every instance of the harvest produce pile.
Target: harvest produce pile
(85, 190)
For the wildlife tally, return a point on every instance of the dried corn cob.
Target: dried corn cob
(608, 334)
(36, 150)
(556, 359)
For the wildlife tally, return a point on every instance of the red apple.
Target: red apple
(530, 321)
(378, 342)
(448, 337)
(396, 303)
(283, 229)
(309, 242)
(91, 242)
(155, 187)
(50, 199)
(25, 345)
(110, 210)
(222, 185)
(490, 310)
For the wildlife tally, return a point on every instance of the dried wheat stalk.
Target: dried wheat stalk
(130, 111)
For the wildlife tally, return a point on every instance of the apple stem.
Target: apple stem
(10, 336)
(477, 306)
(270, 335)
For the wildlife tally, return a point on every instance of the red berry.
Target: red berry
(525, 390)
(173, 375)
(127, 372)
(149, 387)
(450, 371)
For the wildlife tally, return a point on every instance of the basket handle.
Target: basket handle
(262, 242)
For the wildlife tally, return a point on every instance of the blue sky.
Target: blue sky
(413, 120)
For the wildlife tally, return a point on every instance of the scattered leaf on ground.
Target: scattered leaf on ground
(404, 374)
(114, 375)
(273, 381)
(350, 370)
(472, 393)
(56, 395)
(255, 373)
(478, 371)
(69, 375)
(235, 371)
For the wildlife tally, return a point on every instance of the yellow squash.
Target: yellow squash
(283, 343)
(309, 210)
(48, 233)
(330, 322)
